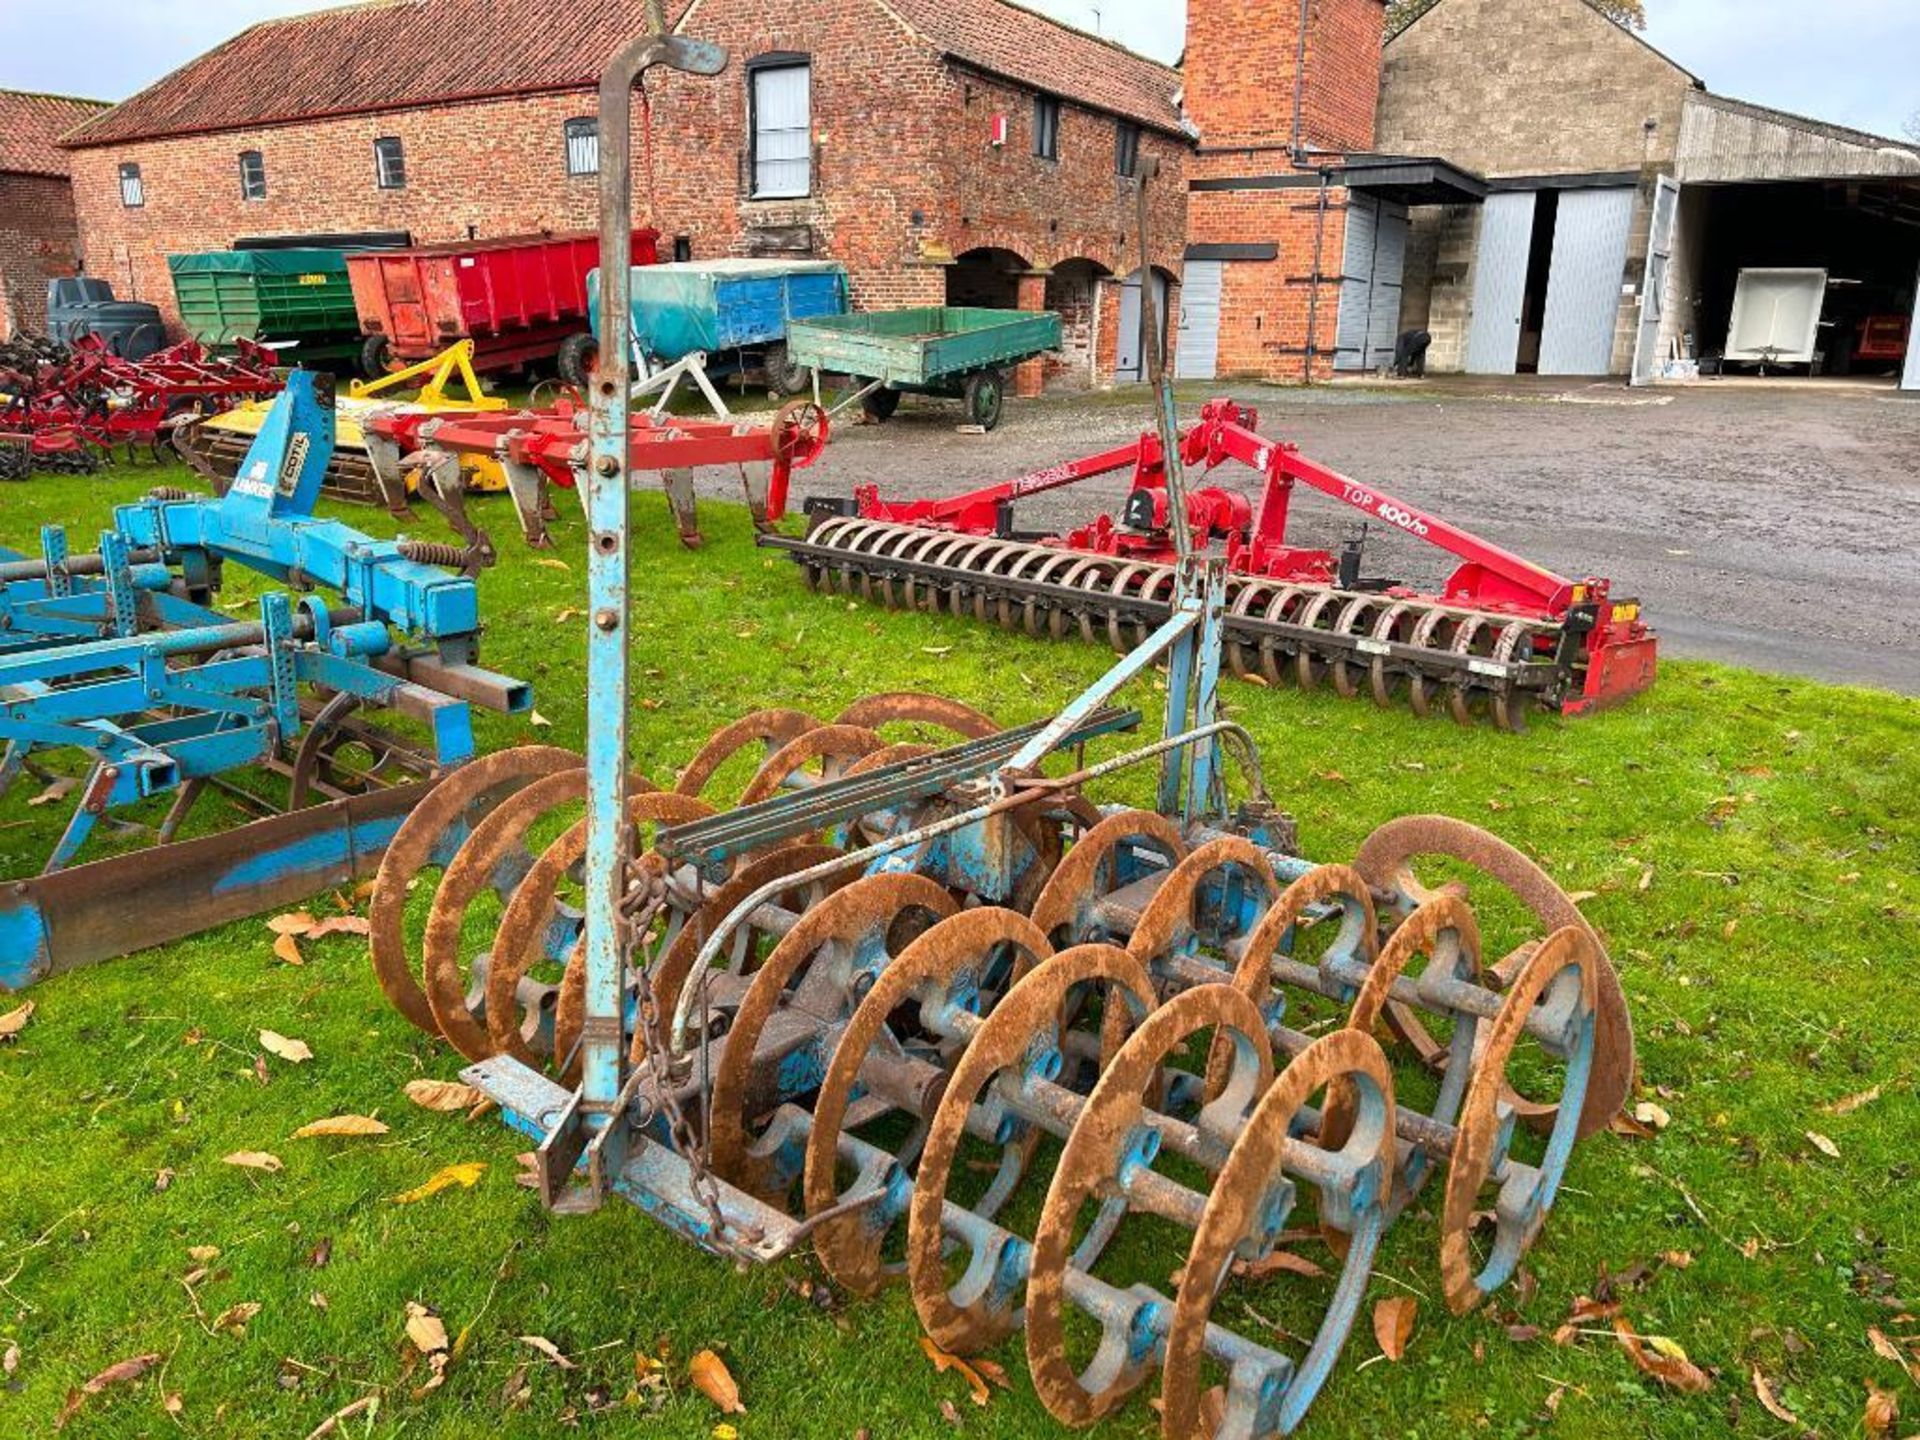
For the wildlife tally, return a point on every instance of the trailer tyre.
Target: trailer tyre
(986, 398)
(376, 357)
(881, 404)
(575, 362)
(783, 376)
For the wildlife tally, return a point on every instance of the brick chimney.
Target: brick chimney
(1244, 72)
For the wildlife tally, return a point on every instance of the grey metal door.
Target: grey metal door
(1356, 284)
(1910, 380)
(1653, 288)
(1128, 363)
(1389, 275)
(1500, 283)
(1198, 355)
(1583, 286)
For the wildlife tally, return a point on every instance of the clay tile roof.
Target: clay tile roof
(30, 130)
(382, 55)
(374, 56)
(1006, 40)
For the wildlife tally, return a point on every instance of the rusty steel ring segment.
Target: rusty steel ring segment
(774, 729)
(1087, 874)
(424, 838)
(1108, 1160)
(1023, 1032)
(826, 744)
(1386, 857)
(521, 942)
(858, 919)
(909, 707)
(1445, 931)
(1526, 1193)
(946, 970)
(670, 974)
(1273, 1399)
(1262, 969)
(1166, 924)
(493, 841)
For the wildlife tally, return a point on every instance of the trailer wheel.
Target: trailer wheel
(576, 358)
(986, 398)
(783, 376)
(881, 404)
(376, 357)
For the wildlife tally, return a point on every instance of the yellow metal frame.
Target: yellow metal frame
(453, 363)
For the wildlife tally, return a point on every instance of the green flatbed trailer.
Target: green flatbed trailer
(959, 352)
(298, 298)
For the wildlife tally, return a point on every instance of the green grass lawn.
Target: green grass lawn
(1752, 844)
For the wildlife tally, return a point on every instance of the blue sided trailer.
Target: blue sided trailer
(734, 312)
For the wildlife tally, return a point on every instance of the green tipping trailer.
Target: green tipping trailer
(300, 299)
(933, 350)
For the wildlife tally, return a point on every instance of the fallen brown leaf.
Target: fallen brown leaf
(949, 1413)
(466, 1175)
(1279, 1262)
(174, 1404)
(117, 1374)
(1648, 1113)
(235, 1317)
(552, 562)
(993, 1372)
(1393, 1324)
(1883, 1408)
(294, 922)
(14, 1021)
(1625, 1124)
(10, 1360)
(1664, 1360)
(943, 1362)
(295, 1051)
(1852, 1102)
(340, 1127)
(254, 1160)
(58, 789)
(547, 1348)
(1763, 1392)
(426, 1330)
(287, 949)
(203, 1254)
(444, 1096)
(1825, 1146)
(712, 1379)
(341, 925)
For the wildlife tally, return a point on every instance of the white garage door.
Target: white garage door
(1584, 284)
(1198, 353)
(1371, 271)
(1500, 283)
(1911, 379)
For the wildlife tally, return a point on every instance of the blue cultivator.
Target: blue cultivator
(897, 983)
(118, 655)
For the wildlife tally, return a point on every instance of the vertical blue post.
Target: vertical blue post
(1210, 639)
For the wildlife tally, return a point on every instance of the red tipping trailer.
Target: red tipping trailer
(519, 299)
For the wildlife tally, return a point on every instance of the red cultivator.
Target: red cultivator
(541, 448)
(1502, 634)
(67, 410)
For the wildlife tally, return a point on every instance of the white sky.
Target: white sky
(1854, 62)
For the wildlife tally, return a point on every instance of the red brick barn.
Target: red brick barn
(944, 150)
(39, 238)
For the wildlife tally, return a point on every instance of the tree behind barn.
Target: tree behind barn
(1402, 13)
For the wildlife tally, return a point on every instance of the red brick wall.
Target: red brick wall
(38, 239)
(1241, 59)
(905, 178)
(1268, 311)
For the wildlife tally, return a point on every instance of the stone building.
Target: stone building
(1624, 202)
(39, 237)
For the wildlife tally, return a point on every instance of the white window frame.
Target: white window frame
(133, 189)
(761, 187)
(582, 136)
(247, 189)
(384, 177)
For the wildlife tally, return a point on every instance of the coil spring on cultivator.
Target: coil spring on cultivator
(1164, 1038)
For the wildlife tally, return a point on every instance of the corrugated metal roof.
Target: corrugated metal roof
(384, 55)
(30, 129)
